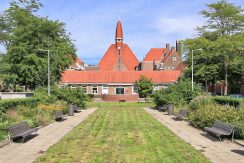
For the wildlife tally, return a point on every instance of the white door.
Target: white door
(105, 89)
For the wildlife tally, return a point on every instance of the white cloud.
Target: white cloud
(183, 27)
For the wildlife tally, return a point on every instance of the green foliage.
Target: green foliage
(178, 94)
(221, 39)
(23, 34)
(223, 18)
(200, 101)
(225, 100)
(70, 96)
(33, 115)
(207, 114)
(144, 86)
(13, 104)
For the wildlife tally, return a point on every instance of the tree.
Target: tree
(145, 87)
(22, 33)
(220, 38)
(224, 18)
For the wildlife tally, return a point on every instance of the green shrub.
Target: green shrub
(178, 94)
(34, 116)
(200, 102)
(205, 116)
(74, 96)
(15, 103)
(225, 100)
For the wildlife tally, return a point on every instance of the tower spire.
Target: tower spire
(119, 35)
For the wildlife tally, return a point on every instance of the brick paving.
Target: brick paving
(217, 152)
(47, 136)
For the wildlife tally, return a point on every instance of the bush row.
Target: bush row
(204, 110)
(224, 100)
(178, 94)
(15, 103)
(37, 110)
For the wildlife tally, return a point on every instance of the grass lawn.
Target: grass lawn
(120, 104)
(121, 135)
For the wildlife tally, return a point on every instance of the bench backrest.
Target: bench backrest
(58, 114)
(183, 112)
(228, 128)
(19, 128)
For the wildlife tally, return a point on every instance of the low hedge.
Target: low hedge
(225, 100)
(15, 103)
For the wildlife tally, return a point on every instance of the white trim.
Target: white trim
(133, 90)
(93, 86)
(119, 87)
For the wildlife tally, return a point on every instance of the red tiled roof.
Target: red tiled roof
(167, 56)
(110, 58)
(78, 60)
(181, 66)
(155, 54)
(73, 76)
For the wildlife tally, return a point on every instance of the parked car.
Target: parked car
(236, 96)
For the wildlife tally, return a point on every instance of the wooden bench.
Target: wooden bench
(76, 108)
(21, 130)
(163, 108)
(221, 129)
(58, 115)
(181, 115)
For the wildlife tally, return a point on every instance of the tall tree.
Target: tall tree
(24, 34)
(221, 37)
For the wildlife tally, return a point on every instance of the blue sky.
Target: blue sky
(146, 23)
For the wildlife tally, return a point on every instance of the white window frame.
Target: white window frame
(174, 58)
(94, 86)
(106, 87)
(133, 92)
(119, 87)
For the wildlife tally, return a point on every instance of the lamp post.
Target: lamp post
(192, 68)
(48, 66)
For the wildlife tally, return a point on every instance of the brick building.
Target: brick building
(119, 68)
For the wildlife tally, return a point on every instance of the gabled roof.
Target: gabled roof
(73, 76)
(78, 60)
(155, 54)
(111, 57)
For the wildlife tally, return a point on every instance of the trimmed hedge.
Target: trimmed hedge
(5, 105)
(225, 100)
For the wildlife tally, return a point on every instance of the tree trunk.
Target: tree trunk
(226, 79)
(206, 85)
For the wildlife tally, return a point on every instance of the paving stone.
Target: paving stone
(215, 151)
(47, 136)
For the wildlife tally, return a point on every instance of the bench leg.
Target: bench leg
(23, 139)
(233, 135)
(220, 138)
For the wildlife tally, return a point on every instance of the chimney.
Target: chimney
(172, 48)
(168, 46)
(178, 46)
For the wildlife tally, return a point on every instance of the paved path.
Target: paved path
(47, 136)
(215, 151)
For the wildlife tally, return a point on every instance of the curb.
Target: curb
(239, 142)
(4, 143)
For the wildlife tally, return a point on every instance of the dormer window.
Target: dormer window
(174, 58)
